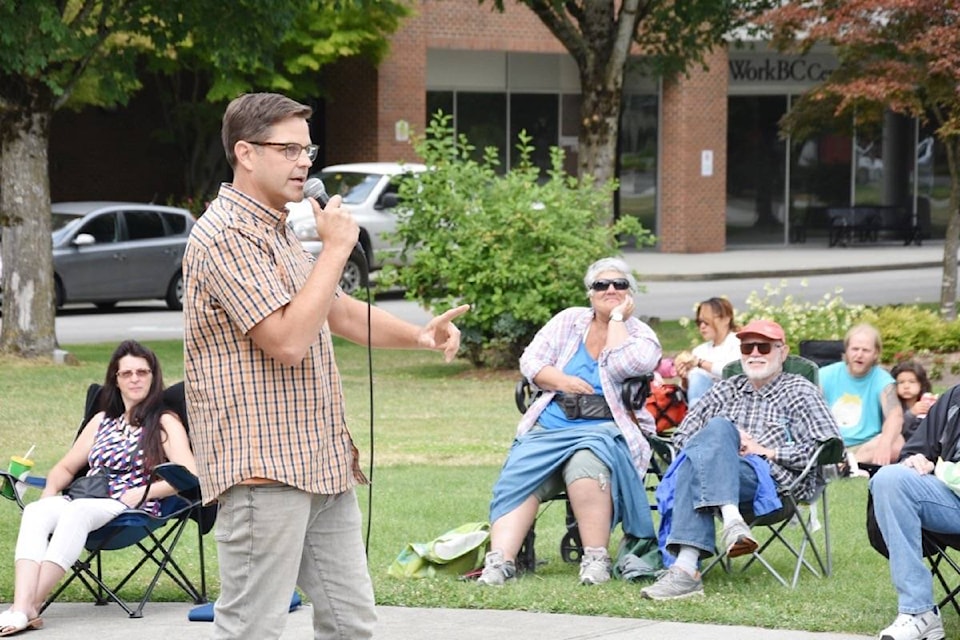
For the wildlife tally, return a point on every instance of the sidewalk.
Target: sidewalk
(813, 258)
(163, 621)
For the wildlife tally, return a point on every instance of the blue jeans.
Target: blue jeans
(698, 383)
(905, 502)
(713, 474)
(271, 538)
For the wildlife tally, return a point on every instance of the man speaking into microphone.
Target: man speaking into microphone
(263, 391)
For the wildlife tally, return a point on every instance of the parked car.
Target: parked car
(369, 192)
(105, 252)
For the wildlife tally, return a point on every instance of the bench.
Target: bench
(862, 223)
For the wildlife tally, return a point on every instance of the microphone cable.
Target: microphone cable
(365, 274)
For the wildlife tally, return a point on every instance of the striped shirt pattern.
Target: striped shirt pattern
(251, 416)
(788, 414)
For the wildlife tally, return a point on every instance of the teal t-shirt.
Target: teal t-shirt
(855, 402)
(583, 366)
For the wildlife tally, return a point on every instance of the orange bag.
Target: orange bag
(667, 403)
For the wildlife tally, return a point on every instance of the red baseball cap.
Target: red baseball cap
(766, 328)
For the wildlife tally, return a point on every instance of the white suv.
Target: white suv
(369, 191)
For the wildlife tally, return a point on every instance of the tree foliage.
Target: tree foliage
(56, 53)
(514, 246)
(670, 36)
(196, 79)
(901, 55)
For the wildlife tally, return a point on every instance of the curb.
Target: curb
(781, 273)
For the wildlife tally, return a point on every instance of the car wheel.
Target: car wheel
(59, 295)
(354, 275)
(175, 292)
(106, 306)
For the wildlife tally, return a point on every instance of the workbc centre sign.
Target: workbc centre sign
(773, 69)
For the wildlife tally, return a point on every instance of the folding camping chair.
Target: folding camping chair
(156, 537)
(822, 352)
(634, 394)
(937, 549)
(827, 454)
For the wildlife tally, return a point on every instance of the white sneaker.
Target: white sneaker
(595, 566)
(496, 570)
(922, 626)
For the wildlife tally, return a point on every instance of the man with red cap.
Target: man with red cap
(751, 432)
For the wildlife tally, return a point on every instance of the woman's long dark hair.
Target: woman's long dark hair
(146, 414)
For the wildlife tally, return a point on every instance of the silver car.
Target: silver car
(105, 252)
(369, 192)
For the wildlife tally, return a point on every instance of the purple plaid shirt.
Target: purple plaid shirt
(557, 342)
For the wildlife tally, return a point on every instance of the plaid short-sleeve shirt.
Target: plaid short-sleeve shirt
(251, 416)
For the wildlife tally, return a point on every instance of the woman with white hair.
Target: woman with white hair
(578, 436)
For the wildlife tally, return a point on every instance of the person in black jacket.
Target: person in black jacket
(912, 496)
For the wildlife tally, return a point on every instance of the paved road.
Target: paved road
(150, 320)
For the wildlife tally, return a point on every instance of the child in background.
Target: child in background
(915, 393)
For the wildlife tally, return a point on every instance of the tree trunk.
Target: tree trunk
(29, 312)
(948, 284)
(600, 117)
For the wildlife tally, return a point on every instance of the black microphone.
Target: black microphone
(314, 188)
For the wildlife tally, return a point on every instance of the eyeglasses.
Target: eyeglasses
(620, 284)
(291, 150)
(746, 348)
(126, 374)
(701, 321)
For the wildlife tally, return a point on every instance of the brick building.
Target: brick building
(702, 162)
(701, 159)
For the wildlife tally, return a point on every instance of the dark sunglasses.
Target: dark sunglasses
(746, 348)
(620, 284)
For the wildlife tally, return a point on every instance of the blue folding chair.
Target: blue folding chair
(156, 536)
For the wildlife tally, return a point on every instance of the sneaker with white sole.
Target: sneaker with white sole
(496, 570)
(673, 585)
(737, 540)
(920, 626)
(595, 566)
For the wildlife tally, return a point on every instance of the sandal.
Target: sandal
(13, 622)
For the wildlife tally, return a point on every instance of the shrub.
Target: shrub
(515, 246)
(905, 329)
(826, 319)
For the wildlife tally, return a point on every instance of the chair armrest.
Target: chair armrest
(635, 391)
(37, 482)
(177, 476)
(525, 393)
(829, 451)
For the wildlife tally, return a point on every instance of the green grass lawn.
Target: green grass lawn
(439, 435)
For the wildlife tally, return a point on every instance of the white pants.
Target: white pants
(54, 529)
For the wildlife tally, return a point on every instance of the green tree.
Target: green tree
(670, 35)
(195, 82)
(87, 52)
(514, 246)
(901, 55)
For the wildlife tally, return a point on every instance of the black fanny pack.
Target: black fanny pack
(588, 406)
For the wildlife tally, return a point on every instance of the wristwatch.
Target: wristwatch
(616, 316)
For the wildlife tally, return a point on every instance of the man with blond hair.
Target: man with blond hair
(863, 398)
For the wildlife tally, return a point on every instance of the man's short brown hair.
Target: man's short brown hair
(250, 116)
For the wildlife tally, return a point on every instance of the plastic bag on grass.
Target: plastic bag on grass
(454, 553)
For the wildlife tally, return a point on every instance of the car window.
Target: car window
(103, 228)
(176, 224)
(354, 188)
(142, 225)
